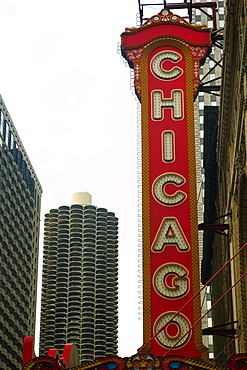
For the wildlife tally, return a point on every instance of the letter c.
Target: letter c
(159, 189)
(159, 58)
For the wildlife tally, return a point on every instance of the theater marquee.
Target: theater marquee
(165, 54)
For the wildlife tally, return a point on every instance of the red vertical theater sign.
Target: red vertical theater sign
(165, 54)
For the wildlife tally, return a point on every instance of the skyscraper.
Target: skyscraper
(20, 194)
(79, 285)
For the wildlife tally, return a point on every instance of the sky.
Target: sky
(67, 90)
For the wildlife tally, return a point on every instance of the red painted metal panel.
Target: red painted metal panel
(165, 53)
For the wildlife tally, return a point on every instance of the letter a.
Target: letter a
(170, 233)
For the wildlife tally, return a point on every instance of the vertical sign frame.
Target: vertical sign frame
(165, 53)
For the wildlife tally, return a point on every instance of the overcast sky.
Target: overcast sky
(68, 93)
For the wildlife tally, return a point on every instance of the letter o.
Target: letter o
(165, 338)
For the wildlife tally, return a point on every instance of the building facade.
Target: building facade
(79, 284)
(206, 111)
(20, 195)
(231, 200)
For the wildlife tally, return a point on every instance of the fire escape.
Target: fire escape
(146, 9)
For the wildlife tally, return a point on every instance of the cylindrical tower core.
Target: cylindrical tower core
(82, 198)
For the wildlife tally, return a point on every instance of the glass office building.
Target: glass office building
(20, 195)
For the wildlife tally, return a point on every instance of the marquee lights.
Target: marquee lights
(169, 337)
(159, 189)
(168, 145)
(170, 233)
(165, 54)
(171, 280)
(158, 59)
(159, 102)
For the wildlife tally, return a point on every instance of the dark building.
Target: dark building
(20, 194)
(228, 204)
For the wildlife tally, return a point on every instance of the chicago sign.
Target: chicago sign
(165, 54)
